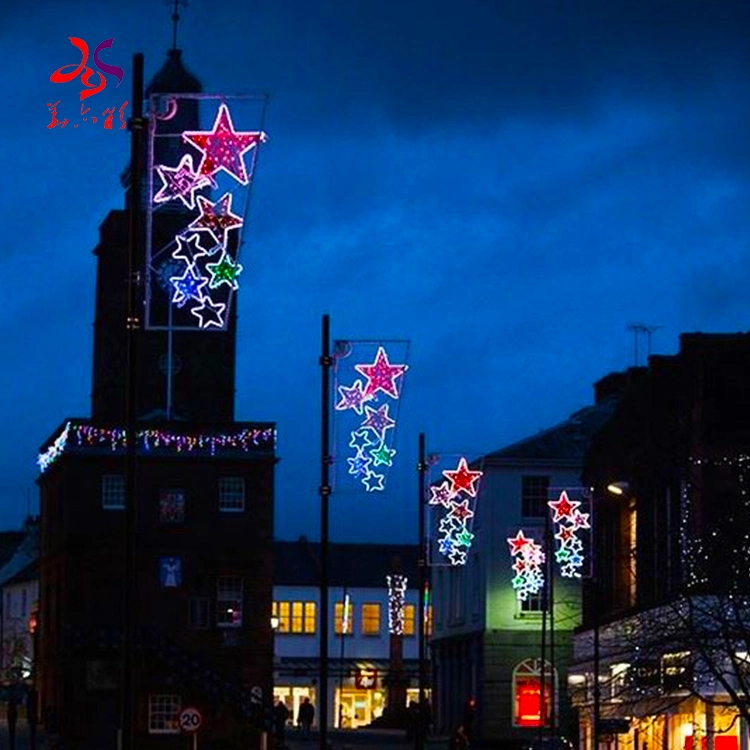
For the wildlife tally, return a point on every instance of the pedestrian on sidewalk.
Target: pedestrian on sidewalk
(32, 706)
(460, 740)
(305, 717)
(12, 720)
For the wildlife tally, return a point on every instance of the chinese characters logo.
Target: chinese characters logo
(91, 87)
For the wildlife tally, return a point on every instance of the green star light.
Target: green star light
(225, 271)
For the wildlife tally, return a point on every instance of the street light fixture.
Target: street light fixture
(618, 488)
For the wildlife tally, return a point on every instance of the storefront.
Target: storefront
(292, 696)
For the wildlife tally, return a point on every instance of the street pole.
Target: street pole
(325, 492)
(543, 665)
(551, 577)
(422, 569)
(133, 323)
(344, 629)
(596, 597)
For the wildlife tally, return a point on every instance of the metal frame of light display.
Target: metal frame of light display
(568, 521)
(528, 560)
(368, 388)
(198, 190)
(453, 501)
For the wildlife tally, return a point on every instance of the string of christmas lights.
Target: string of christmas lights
(697, 544)
(454, 496)
(82, 435)
(528, 559)
(370, 439)
(205, 277)
(396, 601)
(568, 520)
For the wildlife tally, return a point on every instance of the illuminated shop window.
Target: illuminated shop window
(527, 704)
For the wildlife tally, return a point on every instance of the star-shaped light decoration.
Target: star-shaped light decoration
(464, 538)
(441, 495)
(562, 554)
(224, 271)
(461, 511)
(180, 182)
(352, 398)
(373, 482)
(359, 465)
(383, 455)
(360, 441)
(446, 545)
(381, 375)
(223, 147)
(575, 544)
(378, 420)
(580, 520)
(519, 566)
(189, 249)
(210, 313)
(457, 557)
(188, 286)
(463, 479)
(565, 534)
(563, 507)
(518, 543)
(449, 525)
(216, 218)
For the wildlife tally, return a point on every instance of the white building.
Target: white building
(19, 612)
(359, 645)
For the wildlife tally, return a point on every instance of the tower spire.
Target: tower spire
(176, 5)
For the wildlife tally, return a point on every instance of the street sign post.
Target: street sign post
(190, 722)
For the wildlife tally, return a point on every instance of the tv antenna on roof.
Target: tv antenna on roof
(176, 5)
(637, 329)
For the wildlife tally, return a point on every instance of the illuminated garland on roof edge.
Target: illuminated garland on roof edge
(246, 440)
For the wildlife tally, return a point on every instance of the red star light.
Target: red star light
(381, 375)
(565, 534)
(518, 542)
(563, 507)
(461, 511)
(462, 479)
(216, 218)
(223, 147)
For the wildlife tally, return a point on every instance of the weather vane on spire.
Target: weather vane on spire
(176, 5)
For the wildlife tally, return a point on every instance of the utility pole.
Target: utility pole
(422, 563)
(133, 324)
(325, 492)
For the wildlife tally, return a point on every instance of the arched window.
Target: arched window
(527, 678)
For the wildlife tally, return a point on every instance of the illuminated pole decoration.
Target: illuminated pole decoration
(396, 601)
(454, 498)
(367, 395)
(528, 561)
(569, 520)
(199, 195)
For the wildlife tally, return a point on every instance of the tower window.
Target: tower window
(231, 494)
(113, 491)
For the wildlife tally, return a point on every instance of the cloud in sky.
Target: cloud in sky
(506, 184)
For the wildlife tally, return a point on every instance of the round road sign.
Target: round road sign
(190, 719)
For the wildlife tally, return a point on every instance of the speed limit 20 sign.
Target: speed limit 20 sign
(190, 719)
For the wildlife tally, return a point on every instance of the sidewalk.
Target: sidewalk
(363, 739)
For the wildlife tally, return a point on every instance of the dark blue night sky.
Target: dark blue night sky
(506, 184)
